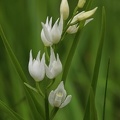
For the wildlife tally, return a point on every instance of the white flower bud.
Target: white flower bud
(81, 3)
(64, 9)
(36, 67)
(86, 15)
(58, 97)
(55, 66)
(72, 29)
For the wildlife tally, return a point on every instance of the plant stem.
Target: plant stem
(39, 90)
(70, 55)
(46, 106)
(54, 112)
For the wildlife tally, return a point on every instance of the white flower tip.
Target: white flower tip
(64, 9)
(81, 3)
(38, 56)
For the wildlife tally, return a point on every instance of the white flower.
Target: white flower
(36, 67)
(55, 66)
(51, 35)
(58, 97)
(81, 3)
(64, 9)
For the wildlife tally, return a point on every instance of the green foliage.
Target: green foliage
(21, 23)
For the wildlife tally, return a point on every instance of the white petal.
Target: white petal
(43, 58)
(50, 23)
(48, 72)
(56, 67)
(60, 26)
(52, 57)
(45, 41)
(38, 56)
(30, 58)
(87, 21)
(67, 100)
(51, 98)
(47, 32)
(30, 62)
(60, 88)
(55, 32)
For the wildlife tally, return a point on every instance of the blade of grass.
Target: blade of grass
(9, 111)
(99, 53)
(105, 94)
(93, 112)
(12, 56)
(35, 113)
(97, 65)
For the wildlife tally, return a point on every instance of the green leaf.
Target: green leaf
(93, 112)
(12, 56)
(9, 111)
(30, 87)
(36, 115)
(105, 94)
(97, 66)
(71, 55)
(99, 53)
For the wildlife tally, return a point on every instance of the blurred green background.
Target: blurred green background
(21, 22)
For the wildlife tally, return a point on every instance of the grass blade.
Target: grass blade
(12, 56)
(99, 53)
(105, 94)
(9, 111)
(97, 66)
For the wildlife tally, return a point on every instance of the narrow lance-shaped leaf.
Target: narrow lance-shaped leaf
(97, 66)
(93, 112)
(9, 111)
(105, 94)
(12, 56)
(36, 115)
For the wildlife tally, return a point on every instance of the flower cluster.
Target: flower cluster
(37, 68)
(51, 34)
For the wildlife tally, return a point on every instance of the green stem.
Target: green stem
(46, 106)
(39, 90)
(51, 83)
(70, 55)
(54, 112)
(46, 53)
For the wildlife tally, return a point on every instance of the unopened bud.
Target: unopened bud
(86, 15)
(81, 3)
(64, 9)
